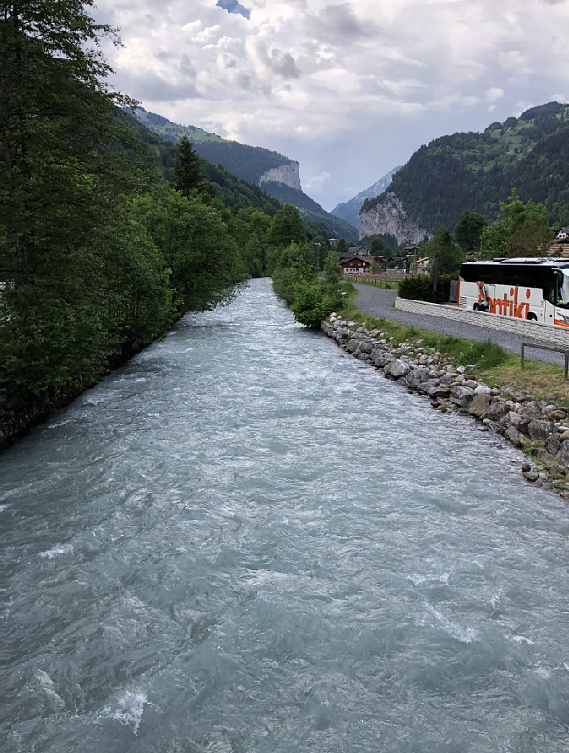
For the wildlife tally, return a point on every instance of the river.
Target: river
(245, 541)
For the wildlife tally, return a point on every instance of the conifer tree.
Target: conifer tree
(187, 172)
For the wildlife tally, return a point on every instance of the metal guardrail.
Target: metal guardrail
(565, 352)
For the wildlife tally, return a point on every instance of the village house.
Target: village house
(355, 264)
(559, 246)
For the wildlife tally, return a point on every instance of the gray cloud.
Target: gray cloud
(339, 23)
(284, 64)
(149, 87)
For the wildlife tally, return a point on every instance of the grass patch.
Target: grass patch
(491, 363)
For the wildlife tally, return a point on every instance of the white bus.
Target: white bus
(534, 289)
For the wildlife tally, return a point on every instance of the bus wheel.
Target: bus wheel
(531, 317)
(475, 307)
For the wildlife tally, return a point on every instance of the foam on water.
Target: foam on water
(57, 551)
(129, 709)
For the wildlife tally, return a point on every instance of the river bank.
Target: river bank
(541, 428)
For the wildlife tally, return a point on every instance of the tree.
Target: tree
(520, 230)
(57, 174)
(450, 255)
(286, 227)
(468, 230)
(377, 246)
(187, 171)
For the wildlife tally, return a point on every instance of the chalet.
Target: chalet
(562, 234)
(355, 264)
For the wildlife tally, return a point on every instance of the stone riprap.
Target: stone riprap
(540, 429)
(542, 333)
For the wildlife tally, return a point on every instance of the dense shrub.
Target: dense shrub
(420, 287)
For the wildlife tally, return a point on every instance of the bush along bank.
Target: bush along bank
(541, 429)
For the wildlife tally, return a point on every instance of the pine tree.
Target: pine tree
(188, 175)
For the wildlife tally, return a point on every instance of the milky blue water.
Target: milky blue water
(246, 541)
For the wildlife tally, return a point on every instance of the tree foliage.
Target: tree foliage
(187, 171)
(520, 230)
(98, 256)
(468, 230)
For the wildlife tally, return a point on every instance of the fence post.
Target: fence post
(523, 345)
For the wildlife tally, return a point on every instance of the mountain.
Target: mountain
(251, 163)
(149, 147)
(350, 210)
(276, 174)
(310, 210)
(476, 171)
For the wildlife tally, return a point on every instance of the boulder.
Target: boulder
(461, 395)
(557, 415)
(553, 444)
(399, 369)
(479, 404)
(563, 454)
(352, 344)
(437, 390)
(366, 347)
(513, 435)
(482, 389)
(539, 429)
(496, 410)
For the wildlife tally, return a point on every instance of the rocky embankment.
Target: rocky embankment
(541, 429)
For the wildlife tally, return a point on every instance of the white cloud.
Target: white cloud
(302, 76)
(317, 181)
(494, 94)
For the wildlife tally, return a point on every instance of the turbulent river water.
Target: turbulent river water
(245, 541)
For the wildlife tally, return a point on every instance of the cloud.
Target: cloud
(494, 94)
(338, 24)
(349, 87)
(317, 181)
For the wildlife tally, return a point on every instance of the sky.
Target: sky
(349, 89)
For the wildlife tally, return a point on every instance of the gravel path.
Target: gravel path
(378, 302)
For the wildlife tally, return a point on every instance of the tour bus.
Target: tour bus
(534, 289)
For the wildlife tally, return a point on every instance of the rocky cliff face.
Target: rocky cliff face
(287, 174)
(389, 218)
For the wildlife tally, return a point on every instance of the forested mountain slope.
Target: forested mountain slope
(476, 171)
(249, 163)
(230, 189)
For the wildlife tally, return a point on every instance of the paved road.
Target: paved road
(378, 302)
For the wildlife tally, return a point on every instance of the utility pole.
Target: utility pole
(435, 276)
(317, 245)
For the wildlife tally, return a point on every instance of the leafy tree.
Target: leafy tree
(187, 171)
(468, 230)
(378, 247)
(450, 255)
(520, 229)
(286, 227)
(57, 174)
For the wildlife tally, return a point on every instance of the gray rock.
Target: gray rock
(553, 444)
(399, 369)
(539, 429)
(353, 344)
(563, 454)
(497, 410)
(479, 404)
(366, 347)
(437, 390)
(461, 395)
(482, 389)
(513, 435)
